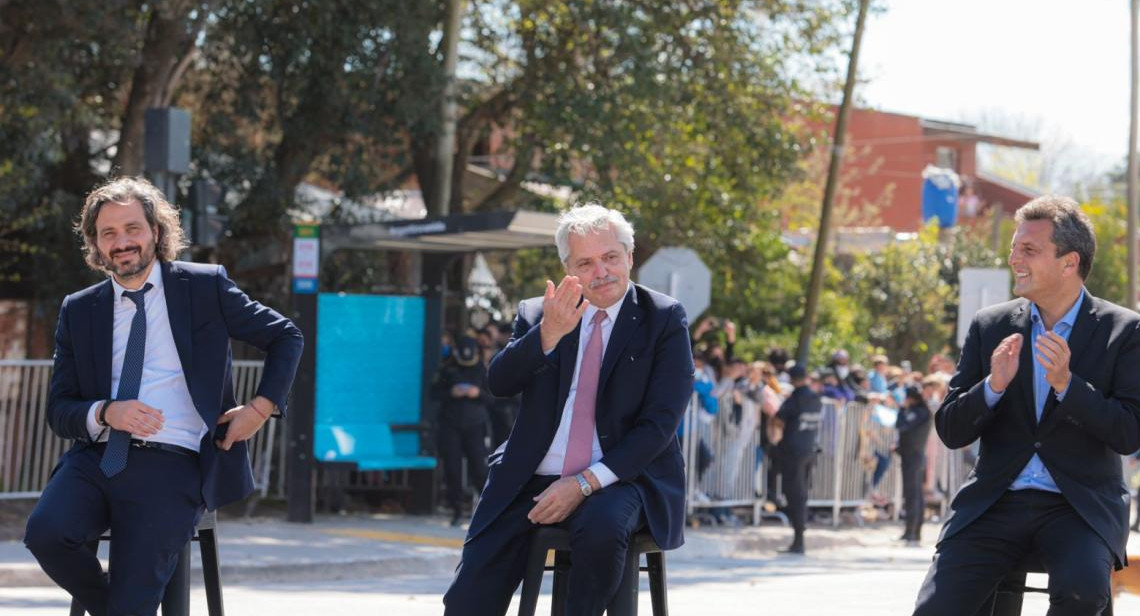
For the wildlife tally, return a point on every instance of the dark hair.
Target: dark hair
(1072, 229)
(160, 215)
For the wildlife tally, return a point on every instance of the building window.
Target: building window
(946, 157)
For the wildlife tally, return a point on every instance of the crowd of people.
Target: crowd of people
(897, 397)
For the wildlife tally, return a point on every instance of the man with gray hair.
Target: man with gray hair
(1048, 384)
(605, 372)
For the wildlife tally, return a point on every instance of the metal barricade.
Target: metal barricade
(29, 449)
(842, 472)
(730, 448)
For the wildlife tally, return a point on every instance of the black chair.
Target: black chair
(624, 603)
(1007, 597)
(176, 600)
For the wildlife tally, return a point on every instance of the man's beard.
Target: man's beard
(129, 270)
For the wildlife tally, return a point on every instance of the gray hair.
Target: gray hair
(592, 217)
(1072, 228)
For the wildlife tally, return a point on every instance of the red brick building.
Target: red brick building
(890, 150)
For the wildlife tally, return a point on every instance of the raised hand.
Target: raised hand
(1053, 352)
(561, 310)
(1004, 362)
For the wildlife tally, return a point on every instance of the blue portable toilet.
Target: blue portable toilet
(940, 196)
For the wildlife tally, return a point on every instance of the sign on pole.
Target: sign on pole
(978, 288)
(680, 274)
(306, 258)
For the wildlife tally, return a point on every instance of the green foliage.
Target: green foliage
(1109, 276)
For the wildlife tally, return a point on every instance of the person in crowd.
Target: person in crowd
(800, 414)
(878, 380)
(833, 387)
(1048, 383)
(913, 426)
(606, 372)
(142, 385)
(463, 422)
(840, 363)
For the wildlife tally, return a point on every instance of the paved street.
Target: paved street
(876, 578)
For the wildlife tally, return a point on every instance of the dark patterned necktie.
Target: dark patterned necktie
(115, 456)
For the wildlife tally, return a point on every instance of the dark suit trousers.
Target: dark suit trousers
(795, 467)
(458, 442)
(913, 474)
(493, 563)
(151, 509)
(969, 565)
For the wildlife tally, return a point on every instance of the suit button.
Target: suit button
(1037, 445)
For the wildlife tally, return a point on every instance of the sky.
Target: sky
(1063, 65)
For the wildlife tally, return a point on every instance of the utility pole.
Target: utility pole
(807, 328)
(1132, 205)
(445, 147)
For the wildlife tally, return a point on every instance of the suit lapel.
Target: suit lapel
(629, 318)
(103, 327)
(176, 285)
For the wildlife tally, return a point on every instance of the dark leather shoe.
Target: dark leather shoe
(795, 548)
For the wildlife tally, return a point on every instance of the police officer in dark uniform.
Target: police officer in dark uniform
(800, 414)
(914, 429)
(463, 422)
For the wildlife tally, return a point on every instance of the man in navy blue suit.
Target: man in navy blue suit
(143, 384)
(605, 372)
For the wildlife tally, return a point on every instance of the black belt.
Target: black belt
(167, 447)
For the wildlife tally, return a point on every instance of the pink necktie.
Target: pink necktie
(581, 444)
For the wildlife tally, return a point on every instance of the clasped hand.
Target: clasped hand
(1050, 349)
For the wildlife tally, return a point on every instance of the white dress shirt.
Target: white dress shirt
(163, 384)
(552, 463)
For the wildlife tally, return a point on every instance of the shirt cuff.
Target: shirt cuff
(93, 427)
(1061, 394)
(605, 476)
(992, 396)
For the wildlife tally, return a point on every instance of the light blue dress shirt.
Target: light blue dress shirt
(1035, 476)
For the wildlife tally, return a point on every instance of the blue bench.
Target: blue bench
(371, 446)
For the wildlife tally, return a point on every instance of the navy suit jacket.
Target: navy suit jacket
(1079, 439)
(645, 384)
(205, 309)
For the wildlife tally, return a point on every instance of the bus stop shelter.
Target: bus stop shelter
(363, 384)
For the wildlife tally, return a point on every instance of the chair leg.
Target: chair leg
(176, 599)
(624, 602)
(655, 563)
(532, 580)
(211, 571)
(76, 607)
(1008, 596)
(561, 583)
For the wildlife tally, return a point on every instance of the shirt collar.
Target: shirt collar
(154, 278)
(611, 312)
(1070, 317)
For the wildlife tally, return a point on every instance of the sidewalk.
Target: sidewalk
(362, 546)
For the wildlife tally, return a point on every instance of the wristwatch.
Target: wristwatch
(584, 485)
